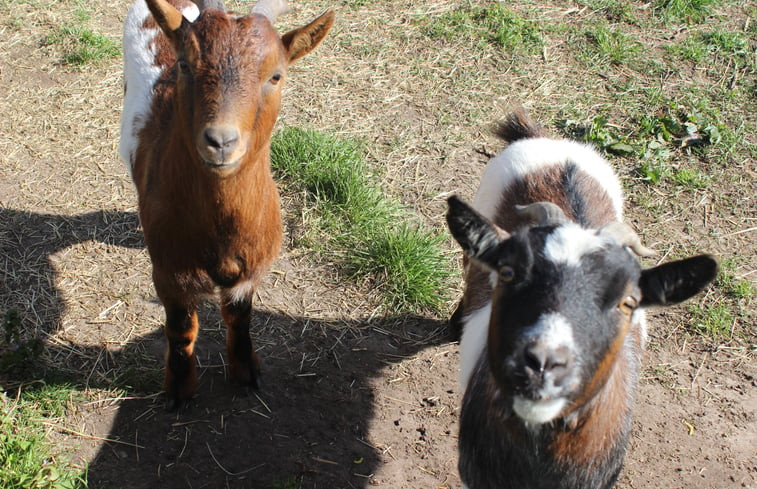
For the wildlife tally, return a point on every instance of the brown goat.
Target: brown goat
(203, 91)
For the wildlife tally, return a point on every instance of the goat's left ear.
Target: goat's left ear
(676, 281)
(170, 19)
(302, 40)
(478, 236)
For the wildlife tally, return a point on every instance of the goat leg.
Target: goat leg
(181, 373)
(244, 364)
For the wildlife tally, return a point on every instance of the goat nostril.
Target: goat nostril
(541, 359)
(533, 359)
(221, 138)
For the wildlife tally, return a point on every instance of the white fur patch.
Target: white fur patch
(570, 242)
(528, 155)
(639, 317)
(538, 412)
(554, 331)
(240, 291)
(475, 332)
(140, 75)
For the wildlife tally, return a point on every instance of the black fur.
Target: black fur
(676, 281)
(497, 451)
(518, 125)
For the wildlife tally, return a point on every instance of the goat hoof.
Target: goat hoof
(176, 405)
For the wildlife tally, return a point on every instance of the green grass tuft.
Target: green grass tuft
(606, 45)
(493, 24)
(25, 454)
(688, 11)
(714, 322)
(368, 234)
(82, 46)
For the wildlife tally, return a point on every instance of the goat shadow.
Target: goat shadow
(306, 427)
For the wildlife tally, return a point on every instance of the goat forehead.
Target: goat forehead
(234, 40)
(568, 244)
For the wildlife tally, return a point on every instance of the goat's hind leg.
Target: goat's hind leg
(244, 364)
(181, 371)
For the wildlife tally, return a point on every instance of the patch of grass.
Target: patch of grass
(606, 45)
(654, 141)
(714, 321)
(712, 48)
(688, 11)
(492, 23)
(28, 460)
(689, 178)
(615, 10)
(740, 289)
(81, 45)
(367, 233)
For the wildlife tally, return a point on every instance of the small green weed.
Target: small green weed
(25, 455)
(654, 141)
(493, 24)
(81, 45)
(369, 234)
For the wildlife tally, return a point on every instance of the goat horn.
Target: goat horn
(271, 8)
(624, 235)
(216, 4)
(542, 213)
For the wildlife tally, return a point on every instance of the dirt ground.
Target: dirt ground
(351, 397)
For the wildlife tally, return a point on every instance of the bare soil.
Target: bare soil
(352, 397)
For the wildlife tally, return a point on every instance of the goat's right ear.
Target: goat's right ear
(302, 40)
(676, 281)
(170, 19)
(478, 236)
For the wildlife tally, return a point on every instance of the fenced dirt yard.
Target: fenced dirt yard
(356, 395)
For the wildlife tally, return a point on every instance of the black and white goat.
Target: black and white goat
(552, 316)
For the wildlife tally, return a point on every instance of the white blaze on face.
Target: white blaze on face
(570, 242)
(554, 332)
(140, 75)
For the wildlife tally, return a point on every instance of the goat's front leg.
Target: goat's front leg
(181, 371)
(244, 364)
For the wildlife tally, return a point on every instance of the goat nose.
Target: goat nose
(542, 359)
(221, 138)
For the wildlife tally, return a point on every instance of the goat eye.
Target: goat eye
(275, 78)
(506, 274)
(183, 66)
(628, 304)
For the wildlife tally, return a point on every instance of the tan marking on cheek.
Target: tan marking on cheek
(598, 431)
(604, 368)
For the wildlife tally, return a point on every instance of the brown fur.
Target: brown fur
(218, 225)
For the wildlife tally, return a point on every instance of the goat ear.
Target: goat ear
(676, 281)
(170, 19)
(478, 236)
(302, 40)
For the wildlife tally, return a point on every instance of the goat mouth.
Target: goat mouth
(221, 166)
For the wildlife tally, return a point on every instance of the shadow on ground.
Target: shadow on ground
(305, 428)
